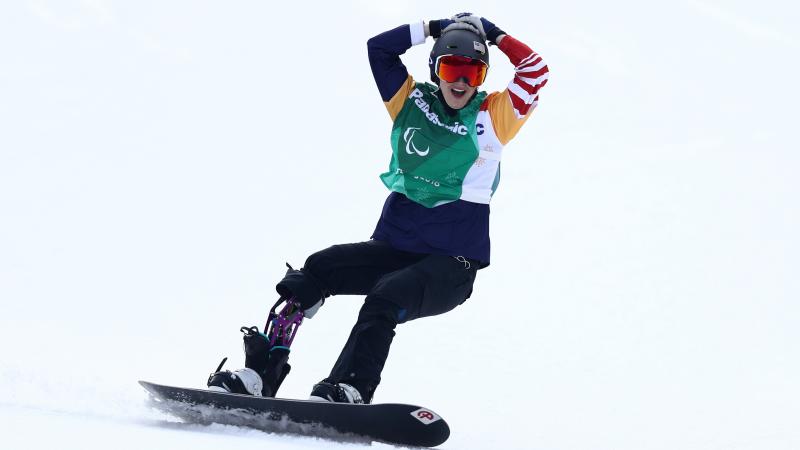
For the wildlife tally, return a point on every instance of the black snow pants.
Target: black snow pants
(399, 285)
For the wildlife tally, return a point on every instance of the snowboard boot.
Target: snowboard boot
(271, 362)
(265, 368)
(325, 391)
(242, 381)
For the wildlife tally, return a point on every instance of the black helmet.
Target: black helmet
(458, 42)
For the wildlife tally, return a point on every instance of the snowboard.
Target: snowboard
(391, 423)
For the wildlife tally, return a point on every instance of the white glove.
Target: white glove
(469, 19)
(463, 26)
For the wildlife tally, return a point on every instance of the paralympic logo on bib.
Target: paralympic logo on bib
(411, 149)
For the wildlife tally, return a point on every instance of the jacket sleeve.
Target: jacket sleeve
(510, 109)
(391, 76)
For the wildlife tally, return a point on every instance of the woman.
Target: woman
(433, 233)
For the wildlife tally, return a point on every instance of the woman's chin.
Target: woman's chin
(455, 103)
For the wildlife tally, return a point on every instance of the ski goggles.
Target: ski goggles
(452, 68)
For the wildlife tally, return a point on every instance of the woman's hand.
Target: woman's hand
(485, 27)
(435, 28)
(469, 18)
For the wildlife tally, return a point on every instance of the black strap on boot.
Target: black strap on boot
(219, 368)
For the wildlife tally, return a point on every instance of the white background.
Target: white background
(160, 160)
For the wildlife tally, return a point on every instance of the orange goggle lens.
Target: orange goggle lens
(452, 68)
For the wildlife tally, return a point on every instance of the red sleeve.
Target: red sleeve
(531, 73)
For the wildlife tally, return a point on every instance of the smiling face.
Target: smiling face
(457, 94)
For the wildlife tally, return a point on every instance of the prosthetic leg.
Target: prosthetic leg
(266, 354)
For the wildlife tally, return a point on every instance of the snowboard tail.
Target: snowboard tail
(391, 423)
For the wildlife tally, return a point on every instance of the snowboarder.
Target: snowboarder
(433, 233)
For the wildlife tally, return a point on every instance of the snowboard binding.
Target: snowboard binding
(266, 354)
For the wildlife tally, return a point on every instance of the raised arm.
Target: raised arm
(391, 76)
(530, 74)
(511, 108)
(384, 50)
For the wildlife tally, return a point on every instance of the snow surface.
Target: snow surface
(159, 161)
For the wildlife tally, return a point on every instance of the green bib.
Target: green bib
(432, 151)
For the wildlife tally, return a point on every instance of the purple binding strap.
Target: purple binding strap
(283, 326)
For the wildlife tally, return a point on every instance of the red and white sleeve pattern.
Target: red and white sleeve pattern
(531, 73)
